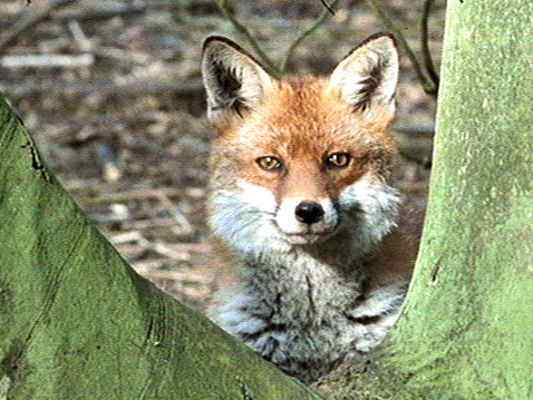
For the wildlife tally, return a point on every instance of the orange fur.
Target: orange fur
(302, 121)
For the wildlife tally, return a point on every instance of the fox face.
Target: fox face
(301, 162)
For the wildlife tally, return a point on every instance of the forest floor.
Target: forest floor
(113, 97)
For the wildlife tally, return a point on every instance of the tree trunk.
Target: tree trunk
(76, 322)
(466, 331)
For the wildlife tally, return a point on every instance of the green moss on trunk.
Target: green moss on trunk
(77, 323)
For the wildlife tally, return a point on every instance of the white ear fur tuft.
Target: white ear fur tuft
(366, 79)
(233, 80)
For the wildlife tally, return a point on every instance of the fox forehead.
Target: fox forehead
(300, 116)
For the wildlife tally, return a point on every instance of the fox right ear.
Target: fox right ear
(367, 78)
(233, 80)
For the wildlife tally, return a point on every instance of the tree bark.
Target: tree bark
(466, 328)
(76, 322)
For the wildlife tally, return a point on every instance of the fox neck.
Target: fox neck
(302, 285)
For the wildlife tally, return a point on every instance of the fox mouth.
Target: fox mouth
(309, 237)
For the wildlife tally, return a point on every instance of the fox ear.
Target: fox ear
(366, 79)
(233, 80)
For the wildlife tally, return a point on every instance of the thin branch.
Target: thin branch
(328, 7)
(269, 65)
(424, 37)
(29, 20)
(428, 86)
(325, 14)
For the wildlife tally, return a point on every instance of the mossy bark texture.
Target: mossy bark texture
(77, 323)
(466, 331)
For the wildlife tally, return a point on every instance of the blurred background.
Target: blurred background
(111, 92)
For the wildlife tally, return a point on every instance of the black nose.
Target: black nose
(309, 212)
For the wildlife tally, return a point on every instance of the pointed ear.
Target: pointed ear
(234, 80)
(366, 79)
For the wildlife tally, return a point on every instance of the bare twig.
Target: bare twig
(328, 7)
(424, 38)
(47, 61)
(153, 268)
(325, 14)
(378, 8)
(29, 19)
(128, 237)
(268, 64)
(82, 41)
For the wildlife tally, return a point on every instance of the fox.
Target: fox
(301, 203)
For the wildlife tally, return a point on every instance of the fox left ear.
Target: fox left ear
(234, 81)
(366, 79)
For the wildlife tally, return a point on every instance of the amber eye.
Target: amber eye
(338, 160)
(269, 163)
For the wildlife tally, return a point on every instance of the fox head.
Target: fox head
(301, 162)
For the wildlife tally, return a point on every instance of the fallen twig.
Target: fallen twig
(47, 61)
(82, 41)
(128, 237)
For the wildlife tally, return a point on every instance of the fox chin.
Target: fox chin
(301, 203)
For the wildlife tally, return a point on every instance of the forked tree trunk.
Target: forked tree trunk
(77, 323)
(466, 331)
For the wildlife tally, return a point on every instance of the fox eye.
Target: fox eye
(338, 160)
(269, 163)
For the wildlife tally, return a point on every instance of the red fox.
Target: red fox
(300, 201)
